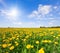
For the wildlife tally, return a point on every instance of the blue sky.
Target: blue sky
(29, 13)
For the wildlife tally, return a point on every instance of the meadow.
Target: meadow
(29, 40)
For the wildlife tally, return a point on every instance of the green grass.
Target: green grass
(23, 40)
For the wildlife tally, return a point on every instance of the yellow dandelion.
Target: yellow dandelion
(37, 42)
(4, 45)
(32, 46)
(52, 33)
(45, 41)
(28, 46)
(17, 38)
(4, 40)
(27, 37)
(49, 41)
(41, 50)
(24, 40)
(13, 37)
(10, 39)
(0, 44)
(55, 42)
(11, 48)
(30, 34)
(59, 35)
(9, 44)
(7, 52)
(16, 43)
(54, 36)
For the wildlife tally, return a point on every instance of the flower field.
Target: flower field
(39, 40)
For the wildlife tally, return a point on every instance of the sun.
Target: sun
(13, 13)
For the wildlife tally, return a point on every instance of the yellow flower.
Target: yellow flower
(13, 37)
(59, 35)
(15, 41)
(7, 52)
(49, 41)
(27, 37)
(32, 46)
(30, 34)
(37, 42)
(28, 46)
(54, 36)
(11, 48)
(46, 41)
(4, 45)
(4, 40)
(17, 38)
(10, 39)
(41, 50)
(9, 44)
(24, 40)
(0, 44)
(55, 42)
(4, 36)
(52, 32)
(17, 44)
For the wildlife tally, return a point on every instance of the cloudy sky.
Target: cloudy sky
(29, 13)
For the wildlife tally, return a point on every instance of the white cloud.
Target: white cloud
(41, 11)
(34, 14)
(55, 7)
(44, 9)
